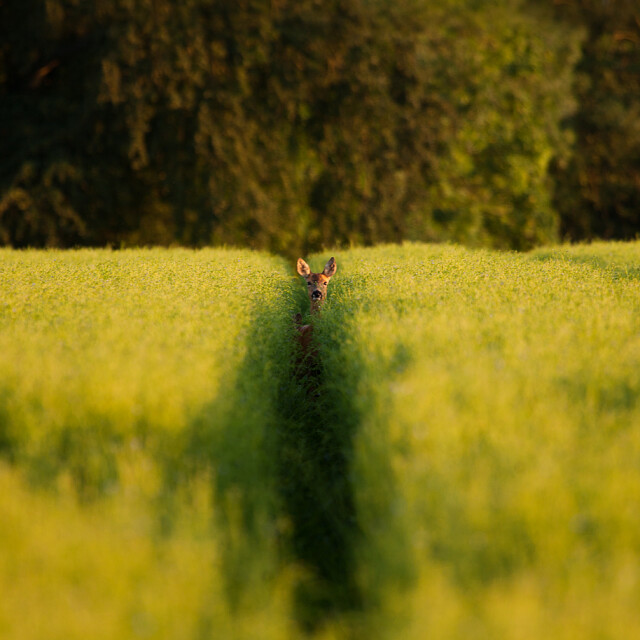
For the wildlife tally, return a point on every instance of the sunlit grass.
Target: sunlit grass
(497, 464)
(467, 464)
(124, 378)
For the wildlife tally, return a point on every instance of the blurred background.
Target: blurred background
(289, 125)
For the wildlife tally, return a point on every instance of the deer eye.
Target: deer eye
(308, 284)
(325, 283)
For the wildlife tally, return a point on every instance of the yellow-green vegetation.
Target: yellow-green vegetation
(496, 449)
(463, 460)
(137, 484)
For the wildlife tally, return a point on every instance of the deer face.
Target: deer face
(317, 282)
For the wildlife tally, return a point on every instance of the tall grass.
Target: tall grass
(496, 465)
(463, 460)
(137, 406)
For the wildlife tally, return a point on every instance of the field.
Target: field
(465, 465)
(136, 391)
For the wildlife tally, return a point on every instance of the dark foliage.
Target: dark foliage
(295, 124)
(599, 188)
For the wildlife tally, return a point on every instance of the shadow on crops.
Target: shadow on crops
(276, 442)
(277, 445)
(86, 452)
(314, 453)
(232, 441)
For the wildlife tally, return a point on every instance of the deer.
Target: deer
(317, 284)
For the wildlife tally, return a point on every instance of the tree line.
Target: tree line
(290, 125)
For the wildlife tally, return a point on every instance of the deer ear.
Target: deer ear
(303, 268)
(330, 268)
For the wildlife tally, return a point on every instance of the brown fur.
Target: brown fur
(317, 284)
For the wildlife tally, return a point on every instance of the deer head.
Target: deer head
(317, 282)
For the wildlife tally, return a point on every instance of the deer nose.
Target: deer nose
(316, 295)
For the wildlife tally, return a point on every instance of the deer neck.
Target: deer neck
(315, 307)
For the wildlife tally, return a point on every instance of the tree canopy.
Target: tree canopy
(296, 124)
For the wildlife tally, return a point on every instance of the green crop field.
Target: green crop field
(464, 463)
(137, 483)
